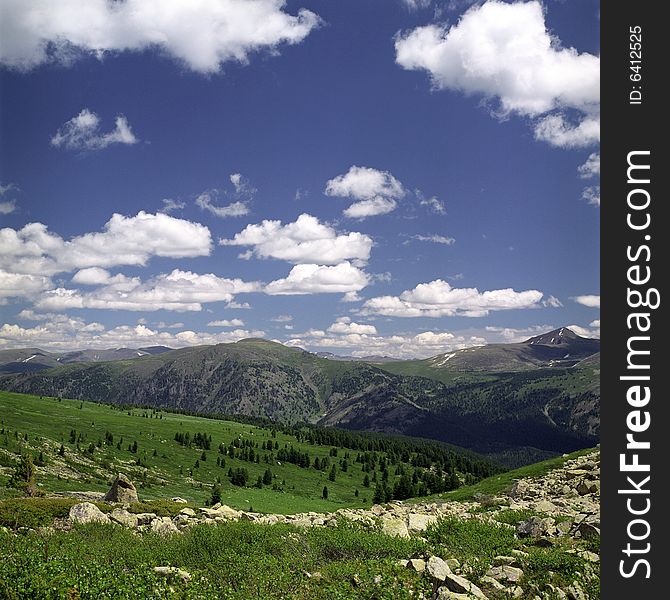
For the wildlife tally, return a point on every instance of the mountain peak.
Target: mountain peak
(559, 336)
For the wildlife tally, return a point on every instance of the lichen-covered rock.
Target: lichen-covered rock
(86, 512)
(122, 491)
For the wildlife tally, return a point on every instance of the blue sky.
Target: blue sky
(443, 155)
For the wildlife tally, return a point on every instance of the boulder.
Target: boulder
(461, 585)
(123, 517)
(86, 512)
(438, 568)
(145, 518)
(419, 522)
(163, 526)
(505, 573)
(534, 527)
(394, 526)
(122, 491)
(417, 564)
(179, 500)
(588, 531)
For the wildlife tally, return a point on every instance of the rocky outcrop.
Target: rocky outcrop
(122, 491)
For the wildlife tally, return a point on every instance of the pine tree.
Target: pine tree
(324, 494)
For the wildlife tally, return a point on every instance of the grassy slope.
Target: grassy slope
(48, 424)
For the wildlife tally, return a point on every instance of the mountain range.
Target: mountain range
(514, 402)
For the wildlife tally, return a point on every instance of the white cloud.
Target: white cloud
(304, 241)
(124, 241)
(512, 334)
(589, 300)
(351, 297)
(282, 319)
(344, 325)
(376, 191)
(14, 285)
(98, 276)
(319, 279)
(83, 133)
(200, 35)
(421, 345)
(234, 209)
(226, 323)
(438, 299)
(414, 5)
(7, 207)
(552, 302)
(370, 208)
(591, 168)
(557, 131)
(592, 194)
(178, 291)
(435, 239)
(593, 331)
(504, 52)
(169, 205)
(69, 333)
(437, 206)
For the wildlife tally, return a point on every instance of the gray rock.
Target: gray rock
(86, 512)
(416, 564)
(461, 585)
(122, 491)
(189, 512)
(123, 517)
(588, 531)
(534, 527)
(145, 518)
(179, 500)
(490, 583)
(419, 522)
(511, 561)
(505, 573)
(394, 526)
(163, 526)
(438, 568)
(453, 563)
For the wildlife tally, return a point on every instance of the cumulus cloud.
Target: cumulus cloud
(200, 35)
(226, 323)
(33, 249)
(420, 345)
(282, 319)
(592, 194)
(559, 132)
(376, 191)
(345, 325)
(178, 291)
(319, 279)
(13, 285)
(304, 241)
(83, 133)
(504, 53)
(591, 168)
(68, 333)
(513, 334)
(589, 300)
(439, 299)
(552, 302)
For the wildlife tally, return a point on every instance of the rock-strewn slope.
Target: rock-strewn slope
(561, 509)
